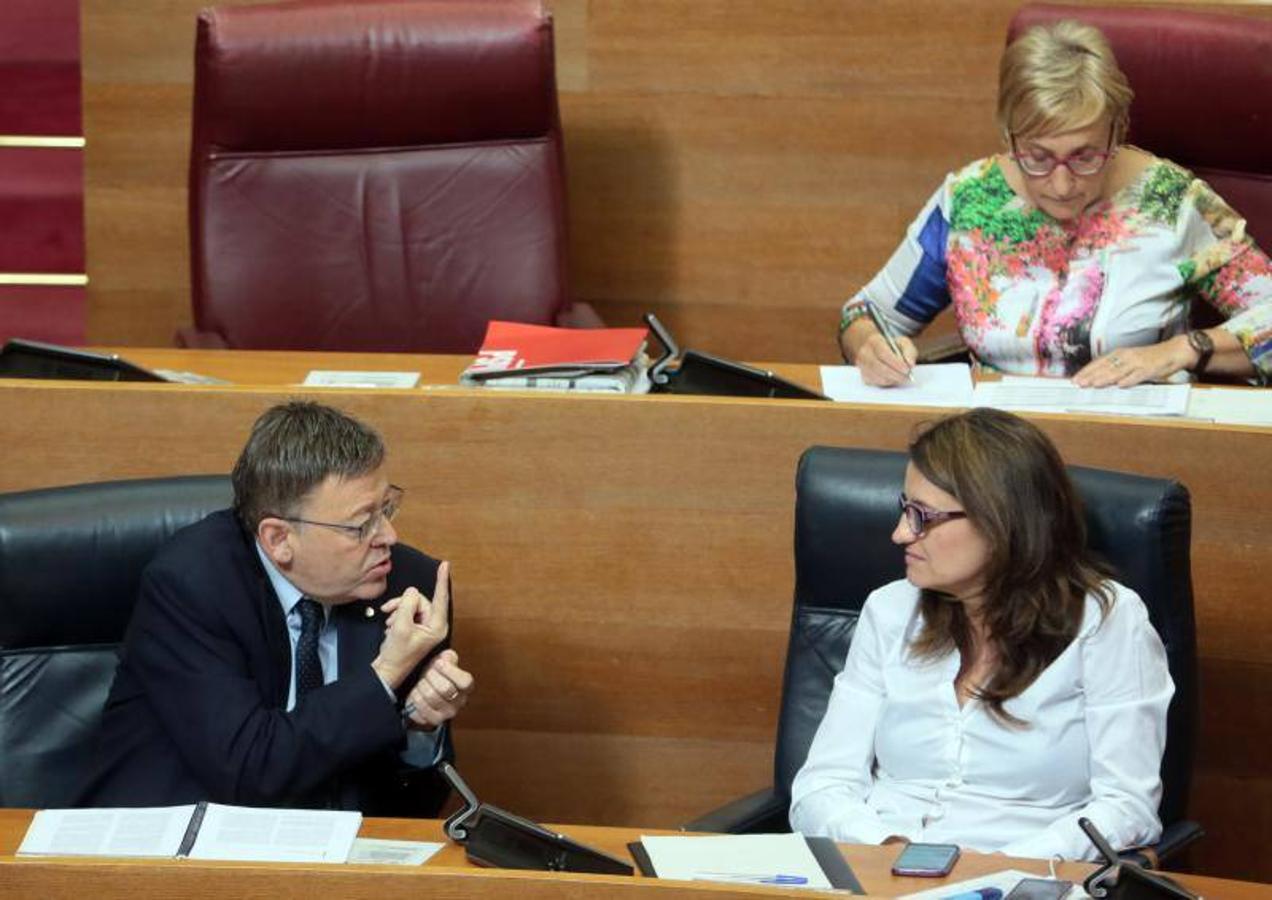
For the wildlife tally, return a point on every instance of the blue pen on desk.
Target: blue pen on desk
(886, 331)
(751, 879)
(988, 893)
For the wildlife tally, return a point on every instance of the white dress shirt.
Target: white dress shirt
(895, 754)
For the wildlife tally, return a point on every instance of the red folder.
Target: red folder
(516, 348)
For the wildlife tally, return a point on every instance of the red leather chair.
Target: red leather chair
(383, 175)
(1202, 85)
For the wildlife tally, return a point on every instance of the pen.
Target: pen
(750, 879)
(987, 893)
(887, 335)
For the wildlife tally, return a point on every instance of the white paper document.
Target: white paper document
(1232, 406)
(276, 835)
(382, 852)
(337, 378)
(1061, 395)
(768, 859)
(1004, 881)
(182, 377)
(947, 384)
(145, 831)
(205, 831)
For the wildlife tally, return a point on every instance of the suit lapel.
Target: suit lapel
(273, 625)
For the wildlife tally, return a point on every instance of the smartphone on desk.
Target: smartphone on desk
(926, 860)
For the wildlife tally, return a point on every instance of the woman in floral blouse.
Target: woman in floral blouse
(1072, 254)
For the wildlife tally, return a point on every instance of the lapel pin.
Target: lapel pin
(370, 612)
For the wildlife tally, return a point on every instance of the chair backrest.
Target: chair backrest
(70, 564)
(375, 176)
(1202, 82)
(845, 512)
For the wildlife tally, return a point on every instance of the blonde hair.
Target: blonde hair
(1061, 77)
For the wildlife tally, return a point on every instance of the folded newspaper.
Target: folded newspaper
(517, 356)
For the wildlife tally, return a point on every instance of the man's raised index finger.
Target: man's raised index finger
(441, 593)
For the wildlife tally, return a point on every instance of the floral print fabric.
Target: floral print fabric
(1036, 296)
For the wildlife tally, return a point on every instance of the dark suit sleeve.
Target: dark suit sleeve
(204, 660)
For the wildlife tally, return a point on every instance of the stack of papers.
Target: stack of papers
(950, 385)
(1059, 395)
(538, 357)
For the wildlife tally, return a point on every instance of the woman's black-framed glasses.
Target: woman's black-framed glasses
(1081, 162)
(362, 533)
(918, 518)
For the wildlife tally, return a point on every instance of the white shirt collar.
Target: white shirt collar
(287, 593)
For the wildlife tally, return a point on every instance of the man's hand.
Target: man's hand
(441, 692)
(415, 626)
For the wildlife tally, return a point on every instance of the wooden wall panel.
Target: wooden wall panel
(794, 47)
(743, 212)
(740, 168)
(623, 568)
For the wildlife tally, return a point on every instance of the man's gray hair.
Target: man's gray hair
(292, 449)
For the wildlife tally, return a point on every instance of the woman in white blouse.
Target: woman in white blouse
(1007, 686)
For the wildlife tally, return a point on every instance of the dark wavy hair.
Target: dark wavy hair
(1011, 481)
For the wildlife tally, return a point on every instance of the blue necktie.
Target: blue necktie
(308, 665)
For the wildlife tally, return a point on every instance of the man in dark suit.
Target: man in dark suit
(281, 653)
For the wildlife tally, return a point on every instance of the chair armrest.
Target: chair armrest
(194, 339)
(579, 315)
(761, 812)
(1175, 837)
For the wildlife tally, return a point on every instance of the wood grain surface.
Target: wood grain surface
(623, 565)
(449, 876)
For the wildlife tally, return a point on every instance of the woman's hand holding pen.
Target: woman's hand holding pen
(869, 351)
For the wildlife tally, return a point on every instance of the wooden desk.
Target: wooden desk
(449, 875)
(623, 564)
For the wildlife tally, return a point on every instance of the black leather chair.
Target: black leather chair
(70, 563)
(845, 511)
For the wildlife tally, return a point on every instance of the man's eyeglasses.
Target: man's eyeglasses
(1081, 162)
(918, 518)
(362, 533)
